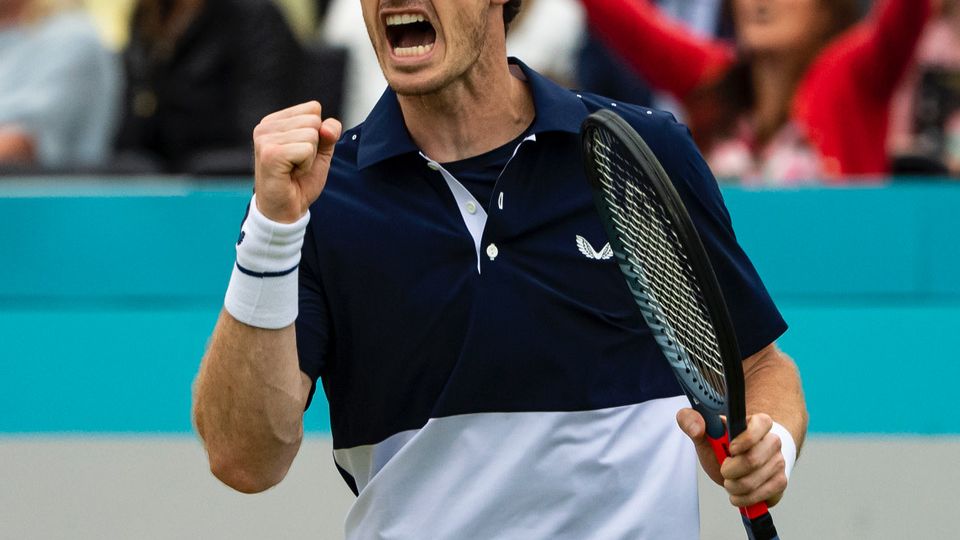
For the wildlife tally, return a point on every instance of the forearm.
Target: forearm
(889, 42)
(248, 403)
(773, 387)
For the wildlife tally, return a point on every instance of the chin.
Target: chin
(761, 42)
(416, 84)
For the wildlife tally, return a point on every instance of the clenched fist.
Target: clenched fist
(293, 149)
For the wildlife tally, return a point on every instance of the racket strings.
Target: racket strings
(657, 259)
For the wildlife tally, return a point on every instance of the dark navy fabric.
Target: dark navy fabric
(400, 327)
(479, 174)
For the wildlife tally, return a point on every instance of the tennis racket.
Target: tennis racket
(669, 273)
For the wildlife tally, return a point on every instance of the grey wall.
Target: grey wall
(159, 488)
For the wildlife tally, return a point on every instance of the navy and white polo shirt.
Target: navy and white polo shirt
(487, 372)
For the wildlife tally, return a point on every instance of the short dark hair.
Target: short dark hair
(510, 10)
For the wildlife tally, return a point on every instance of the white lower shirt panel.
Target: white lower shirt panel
(620, 473)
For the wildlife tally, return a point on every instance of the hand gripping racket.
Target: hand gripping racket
(668, 272)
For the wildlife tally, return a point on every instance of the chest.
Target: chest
(438, 310)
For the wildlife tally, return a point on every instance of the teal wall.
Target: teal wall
(110, 288)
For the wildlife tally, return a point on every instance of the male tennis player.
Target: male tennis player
(487, 372)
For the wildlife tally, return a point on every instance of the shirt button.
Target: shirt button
(433, 166)
(471, 207)
(492, 251)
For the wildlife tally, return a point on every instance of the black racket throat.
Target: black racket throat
(606, 127)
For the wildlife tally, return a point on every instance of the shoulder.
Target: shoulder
(669, 139)
(343, 178)
(674, 147)
(658, 128)
(345, 153)
(67, 44)
(252, 14)
(261, 8)
(74, 31)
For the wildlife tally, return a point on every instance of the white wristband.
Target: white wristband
(263, 290)
(788, 447)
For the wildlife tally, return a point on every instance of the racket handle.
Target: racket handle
(756, 517)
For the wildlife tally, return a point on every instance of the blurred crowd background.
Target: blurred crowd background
(863, 90)
(118, 118)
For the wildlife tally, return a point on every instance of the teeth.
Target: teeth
(419, 50)
(406, 18)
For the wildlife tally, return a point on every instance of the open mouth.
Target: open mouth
(410, 34)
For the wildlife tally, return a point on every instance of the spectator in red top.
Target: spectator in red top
(925, 120)
(804, 94)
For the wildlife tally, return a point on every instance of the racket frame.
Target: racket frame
(719, 434)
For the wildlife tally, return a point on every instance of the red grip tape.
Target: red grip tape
(721, 448)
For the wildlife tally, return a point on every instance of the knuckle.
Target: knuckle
(269, 153)
(738, 487)
(316, 123)
(780, 481)
(777, 443)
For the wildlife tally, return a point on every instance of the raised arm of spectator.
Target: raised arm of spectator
(666, 54)
(883, 46)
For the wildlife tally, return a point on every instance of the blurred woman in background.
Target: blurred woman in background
(925, 125)
(804, 94)
(200, 74)
(58, 87)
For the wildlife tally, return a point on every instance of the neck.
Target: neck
(775, 80)
(485, 108)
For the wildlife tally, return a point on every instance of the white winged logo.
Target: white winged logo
(584, 246)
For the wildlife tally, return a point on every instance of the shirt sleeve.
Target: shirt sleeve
(880, 49)
(756, 319)
(666, 54)
(313, 319)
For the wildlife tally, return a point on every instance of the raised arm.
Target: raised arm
(882, 47)
(663, 52)
(250, 394)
